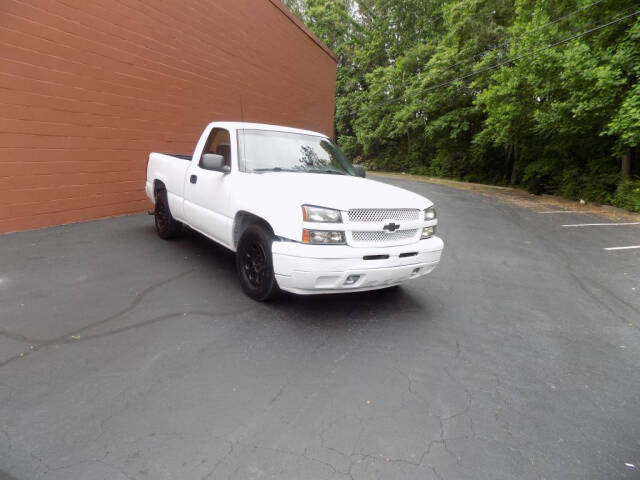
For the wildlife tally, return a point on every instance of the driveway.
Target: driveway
(128, 357)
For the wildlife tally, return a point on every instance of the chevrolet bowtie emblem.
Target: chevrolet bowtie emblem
(391, 227)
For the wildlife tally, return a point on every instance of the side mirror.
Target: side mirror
(213, 161)
(360, 171)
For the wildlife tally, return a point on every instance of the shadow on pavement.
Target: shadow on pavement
(331, 310)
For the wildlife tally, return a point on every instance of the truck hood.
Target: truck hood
(342, 192)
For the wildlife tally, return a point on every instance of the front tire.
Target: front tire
(254, 264)
(167, 227)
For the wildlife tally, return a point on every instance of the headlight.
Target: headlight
(430, 213)
(320, 214)
(428, 232)
(322, 237)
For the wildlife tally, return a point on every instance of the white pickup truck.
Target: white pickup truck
(298, 215)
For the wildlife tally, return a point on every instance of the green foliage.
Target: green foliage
(482, 90)
(625, 124)
(542, 175)
(628, 195)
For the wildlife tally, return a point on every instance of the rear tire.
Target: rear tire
(167, 227)
(254, 263)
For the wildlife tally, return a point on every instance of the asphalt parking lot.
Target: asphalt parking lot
(128, 357)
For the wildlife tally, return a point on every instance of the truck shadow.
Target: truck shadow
(335, 310)
(5, 476)
(396, 304)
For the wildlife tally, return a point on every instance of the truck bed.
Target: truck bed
(170, 169)
(177, 155)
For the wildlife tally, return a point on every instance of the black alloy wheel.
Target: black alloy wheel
(161, 216)
(254, 264)
(166, 226)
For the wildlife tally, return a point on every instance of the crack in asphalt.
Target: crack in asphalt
(72, 465)
(74, 337)
(232, 444)
(558, 250)
(134, 326)
(437, 445)
(220, 460)
(66, 338)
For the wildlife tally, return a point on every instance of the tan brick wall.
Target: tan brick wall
(88, 88)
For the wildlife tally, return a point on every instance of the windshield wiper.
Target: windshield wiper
(328, 170)
(273, 169)
(316, 170)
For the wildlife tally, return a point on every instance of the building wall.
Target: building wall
(88, 89)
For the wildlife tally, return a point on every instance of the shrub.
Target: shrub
(538, 177)
(628, 195)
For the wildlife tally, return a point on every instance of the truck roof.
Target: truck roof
(263, 126)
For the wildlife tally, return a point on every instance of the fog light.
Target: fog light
(428, 232)
(351, 279)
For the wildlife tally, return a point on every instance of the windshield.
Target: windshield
(273, 151)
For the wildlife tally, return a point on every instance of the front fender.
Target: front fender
(284, 218)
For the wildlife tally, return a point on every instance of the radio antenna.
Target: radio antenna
(241, 156)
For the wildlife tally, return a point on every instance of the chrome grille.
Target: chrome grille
(384, 237)
(383, 214)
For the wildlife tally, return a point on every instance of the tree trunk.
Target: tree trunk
(408, 143)
(625, 168)
(514, 169)
(508, 166)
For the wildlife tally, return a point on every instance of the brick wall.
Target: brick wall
(87, 89)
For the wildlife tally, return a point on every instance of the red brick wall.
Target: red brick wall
(87, 89)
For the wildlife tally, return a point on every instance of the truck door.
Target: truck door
(206, 192)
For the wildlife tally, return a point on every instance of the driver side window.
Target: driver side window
(219, 142)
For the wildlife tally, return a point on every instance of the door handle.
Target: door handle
(193, 178)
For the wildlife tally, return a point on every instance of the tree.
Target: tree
(540, 94)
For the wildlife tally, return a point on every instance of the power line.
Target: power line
(386, 102)
(490, 67)
(541, 27)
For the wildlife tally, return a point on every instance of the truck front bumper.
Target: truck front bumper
(312, 269)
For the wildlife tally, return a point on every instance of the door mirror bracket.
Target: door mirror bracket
(360, 171)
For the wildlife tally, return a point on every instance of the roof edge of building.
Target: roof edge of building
(291, 16)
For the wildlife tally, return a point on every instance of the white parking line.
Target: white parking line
(600, 224)
(623, 248)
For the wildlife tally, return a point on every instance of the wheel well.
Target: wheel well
(244, 219)
(158, 186)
